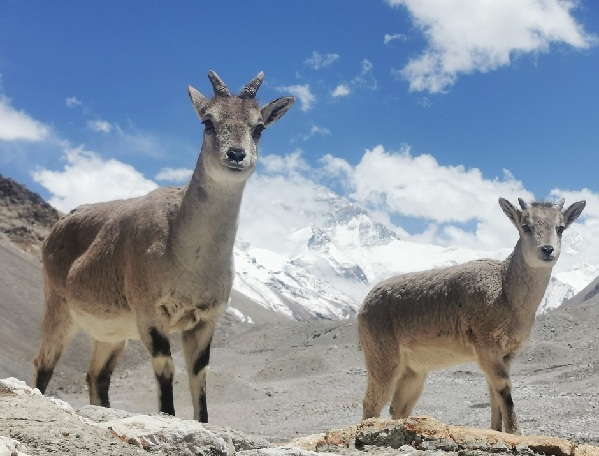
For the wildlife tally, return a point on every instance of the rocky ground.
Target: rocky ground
(32, 424)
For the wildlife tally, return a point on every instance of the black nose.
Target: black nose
(547, 249)
(236, 154)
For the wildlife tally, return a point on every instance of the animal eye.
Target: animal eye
(560, 230)
(526, 229)
(258, 131)
(208, 125)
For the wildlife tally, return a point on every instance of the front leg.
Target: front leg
(497, 371)
(157, 342)
(196, 349)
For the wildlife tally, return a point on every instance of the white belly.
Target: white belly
(434, 358)
(107, 329)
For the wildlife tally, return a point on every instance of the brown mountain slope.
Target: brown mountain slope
(25, 218)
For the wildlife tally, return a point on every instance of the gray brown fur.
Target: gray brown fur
(480, 311)
(145, 267)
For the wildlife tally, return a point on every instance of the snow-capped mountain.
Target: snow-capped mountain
(352, 251)
(563, 286)
(273, 281)
(327, 266)
(588, 291)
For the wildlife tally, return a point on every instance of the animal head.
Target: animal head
(541, 226)
(232, 127)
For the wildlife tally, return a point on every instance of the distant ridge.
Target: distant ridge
(25, 218)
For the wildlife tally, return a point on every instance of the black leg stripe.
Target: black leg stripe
(166, 394)
(506, 394)
(103, 384)
(42, 379)
(203, 407)
(202, 360)
(160, 344)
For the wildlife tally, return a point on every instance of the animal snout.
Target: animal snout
(235, 154)
(547, 250)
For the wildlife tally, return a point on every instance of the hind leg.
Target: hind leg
(383, 371)
(378, 391)
(381, 354)
(104, 359)
(58, 329)
(407, 391)
(495, 409)
(196, 348)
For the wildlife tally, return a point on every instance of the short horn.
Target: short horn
(560, 204)
(249, 91)
(523, 205)
(220, 88)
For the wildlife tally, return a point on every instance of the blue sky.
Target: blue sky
(423, 111)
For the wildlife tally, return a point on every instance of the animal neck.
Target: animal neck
(524, 285)
(206, 224)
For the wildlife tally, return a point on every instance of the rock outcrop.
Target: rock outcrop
(424, 435)
(32, 424)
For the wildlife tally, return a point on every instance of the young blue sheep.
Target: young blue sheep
(479, 311)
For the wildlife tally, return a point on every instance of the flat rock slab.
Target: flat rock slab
(427, 434)
(33, 424)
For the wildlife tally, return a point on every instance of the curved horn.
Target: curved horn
(249, 91)
(560, 204)
(220, 88)
(523, 205)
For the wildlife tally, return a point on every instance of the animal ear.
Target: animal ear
(523, 204)
(274, 110)
(511, 211)
(573, 212)
(199, 101)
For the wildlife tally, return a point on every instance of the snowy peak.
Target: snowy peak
(315, 247)
(353, 226)
(277, 284)
(587, 281)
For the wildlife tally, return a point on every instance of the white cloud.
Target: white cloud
(418, 187)
(290, 164)
(315, 130)
(318, 61)
(88, 178)
(174, 174)
(468, 36)
(72, 102)
(458, 205)
(19, 126)
(413, 186)
(389, 38)
(342, 90)
(302, 93)
(363, 80)
(100, 126)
